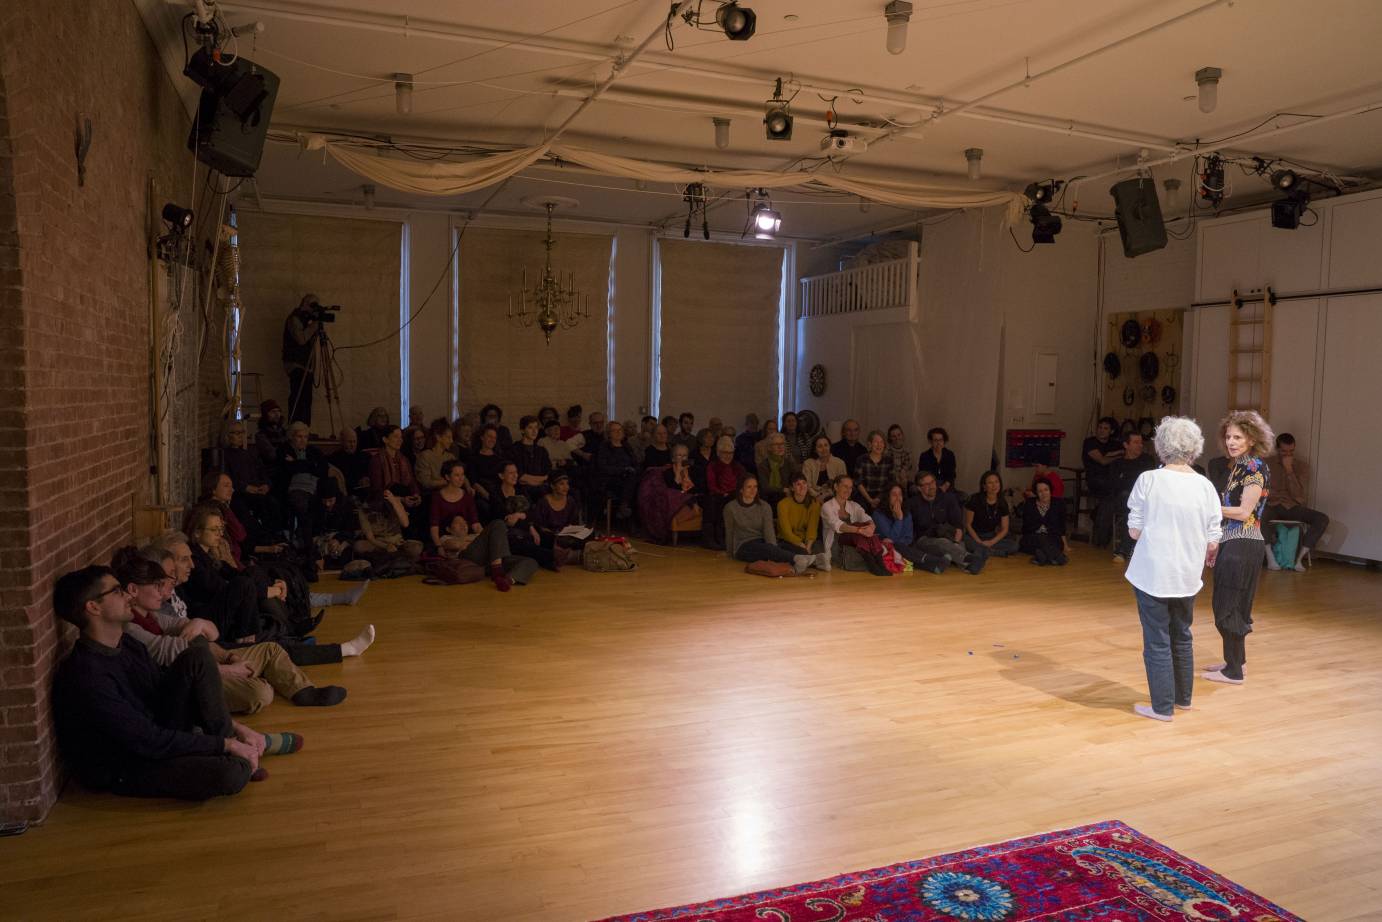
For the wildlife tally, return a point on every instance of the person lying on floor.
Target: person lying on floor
(127, 725)
(250, 675)
(749, 534)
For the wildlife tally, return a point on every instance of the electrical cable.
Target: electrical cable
(1019, 245)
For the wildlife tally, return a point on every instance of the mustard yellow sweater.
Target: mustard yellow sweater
(799, 523)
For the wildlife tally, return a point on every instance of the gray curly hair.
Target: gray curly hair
(1178, 440)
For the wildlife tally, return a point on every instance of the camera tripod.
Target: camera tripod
(322, 368)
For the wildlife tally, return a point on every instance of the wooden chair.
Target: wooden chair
(687, 519)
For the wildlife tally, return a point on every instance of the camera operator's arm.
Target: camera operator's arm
(302, 327)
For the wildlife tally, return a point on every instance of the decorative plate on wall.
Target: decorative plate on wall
(817, 380)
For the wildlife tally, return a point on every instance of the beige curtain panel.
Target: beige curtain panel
(720, 315)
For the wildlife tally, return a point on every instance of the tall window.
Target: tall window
(405, 310)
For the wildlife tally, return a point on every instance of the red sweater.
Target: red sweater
(443, 512)
(723, 479)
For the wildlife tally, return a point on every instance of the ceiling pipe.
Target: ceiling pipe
(724, 71)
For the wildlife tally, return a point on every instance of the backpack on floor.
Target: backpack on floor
(1287, 545)
(770, 568)
(453, 571)
(609, 555)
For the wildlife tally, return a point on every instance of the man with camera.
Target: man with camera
(299, 340)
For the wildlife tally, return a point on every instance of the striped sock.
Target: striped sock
(282, 744)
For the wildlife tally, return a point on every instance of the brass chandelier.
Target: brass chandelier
(551, 303)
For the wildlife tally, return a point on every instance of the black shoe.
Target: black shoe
(975, 564)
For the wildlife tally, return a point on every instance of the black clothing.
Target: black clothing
(1042, 534)
(244, 467)
(126, 725)
(937, 518)
(222, 595)
(1099, 477)
(269, 441)
(300, 395)
(1127, 470)
(657, 457)
(849, 454)
(531, 459)
(615, 477)
(943, 470)
(485, 469)
(370, 438)
(987, 519)
(354, 468)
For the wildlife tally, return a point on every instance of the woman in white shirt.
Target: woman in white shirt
(1175, 518)
(841, 516)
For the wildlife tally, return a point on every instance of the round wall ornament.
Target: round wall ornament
(817, 380)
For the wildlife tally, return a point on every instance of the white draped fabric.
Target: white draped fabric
(444, 177)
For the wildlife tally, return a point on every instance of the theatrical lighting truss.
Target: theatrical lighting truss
(1212, 183)
(736, 22)
(777, 122)
(550, 303)
(764, 220)
(694, 197)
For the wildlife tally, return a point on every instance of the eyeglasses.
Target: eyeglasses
(112, 590)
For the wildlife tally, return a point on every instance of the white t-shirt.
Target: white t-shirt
(1179, 516)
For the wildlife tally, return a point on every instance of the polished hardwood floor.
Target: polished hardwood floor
(596, 744)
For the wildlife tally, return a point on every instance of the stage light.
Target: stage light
(1285, 180)
(1043, 193)
(974, 162)
(777, 123)
(898, 13)
(178, 217)
(1207, 79)
(1045, 226)
(403, 93)
(738, 22)
(721, 132)
(766, 222)
(1286, 212)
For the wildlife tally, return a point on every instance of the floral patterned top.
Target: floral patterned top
(1245, 473)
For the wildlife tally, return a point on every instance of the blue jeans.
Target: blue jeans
(1168, 650)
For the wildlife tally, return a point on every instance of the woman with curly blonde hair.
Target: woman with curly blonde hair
(1247, 438)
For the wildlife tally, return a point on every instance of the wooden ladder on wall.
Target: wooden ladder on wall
(1250, 350)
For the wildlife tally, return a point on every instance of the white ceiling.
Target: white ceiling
(506, 73)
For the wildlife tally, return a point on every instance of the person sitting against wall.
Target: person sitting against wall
(901, 458)
(760, 447)
(938, 460)
(531, 459)
(987, 518)
(1290, 479)
(1098, 455)
(219, 489)
(938, 525)
(492, 415)
(217, 591)
(798, 442)
(351, 463)
(253, 496)
(776, 470)
(722, 478)
(456, 529)
(659, 450)
(799, 518)
(272, 436)
(749, 533)
(873, 472)
(427, 466)
(1043, 528)
(249, 675)
(822, 469)
(746, 441)
(615, 473)
(894, 523)
(300, 468)
(1134, 463)
(128, 726)
(849, 449)
(512, 507)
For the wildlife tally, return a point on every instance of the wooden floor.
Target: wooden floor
(602, 743)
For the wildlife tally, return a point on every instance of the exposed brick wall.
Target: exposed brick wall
(74, 330)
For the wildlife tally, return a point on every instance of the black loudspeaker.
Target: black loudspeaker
(1139, 216)
(233, 115)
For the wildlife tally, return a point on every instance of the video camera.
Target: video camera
(322, 313)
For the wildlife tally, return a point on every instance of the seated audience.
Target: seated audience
(749, 534)
(902, 458)
(987, 520)
(512, 507)
(1126, 470)
(377, 425)
(253, 495)
(799, 518)
(1044, 473)
(216, 591)
(417, 419)
(573, 422)
(532, 460)
(414, 443)
(1043, 528)
(760, 447)
(722, 477)
(745, 441)
(384, 519)
(1290, 480)
(218, 490)
(271, 437)
(555, 512)
(873, 472)
(849, 449)
(427, 466)
(845, 524)
(686, 432)
(798, 442)
(663, 494)
(463, 439)
(249, 676)
(456, 528)
(557, 448)
(352, 463)
(659, 450)
(701, 455)
(776, 470)
(822, 469)
(894, 523)
(128, 726)
(492, 415)
(485, 464)
(938, 525)
(586, 443)
(391, 470)
(938, 460)
(615, 473)
(300, 468)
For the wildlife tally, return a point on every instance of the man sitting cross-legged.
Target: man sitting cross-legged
(130, 727)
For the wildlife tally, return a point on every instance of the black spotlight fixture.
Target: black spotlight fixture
(1285, 180)
(1043, 193)
(1045, 226)
(1286, 212)
(178, 218)
(777, 123)
(738, 22)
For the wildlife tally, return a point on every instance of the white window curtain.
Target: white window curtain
(721, 308)
(513, 366)
(345, 261)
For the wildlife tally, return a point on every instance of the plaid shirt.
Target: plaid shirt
(902, 466)
(874, 477)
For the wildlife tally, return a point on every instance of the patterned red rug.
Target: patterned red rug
(1106, 872)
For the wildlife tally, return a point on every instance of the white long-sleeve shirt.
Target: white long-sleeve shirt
(833, 519)
(1179, 516)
